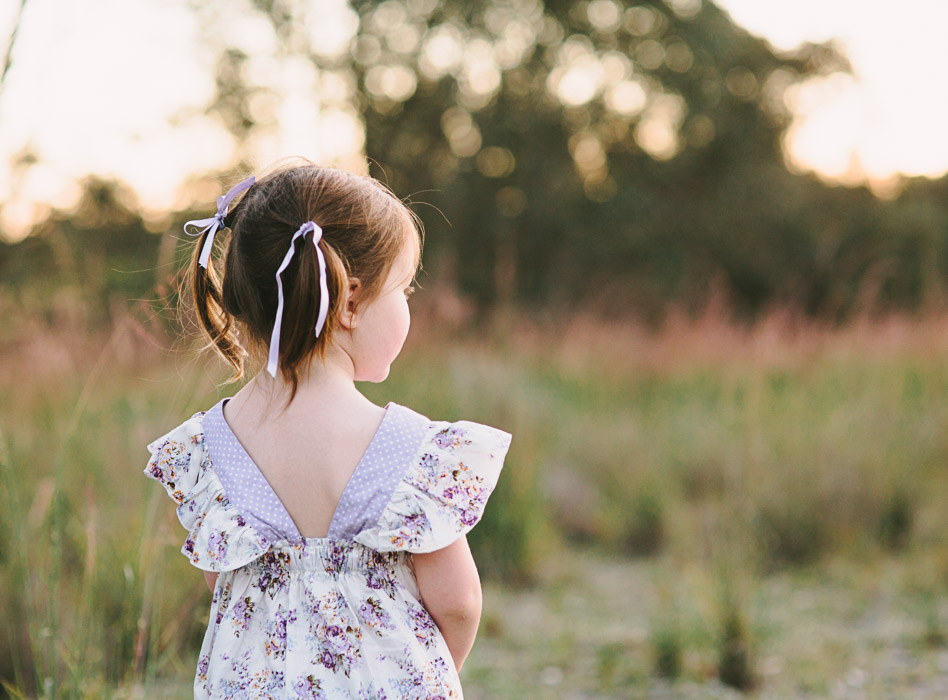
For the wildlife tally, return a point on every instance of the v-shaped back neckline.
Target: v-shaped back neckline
(265, 507)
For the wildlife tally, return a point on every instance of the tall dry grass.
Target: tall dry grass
(737, 450)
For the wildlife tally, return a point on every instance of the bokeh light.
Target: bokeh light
(154, 134)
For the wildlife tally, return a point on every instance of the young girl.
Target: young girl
(330, 530)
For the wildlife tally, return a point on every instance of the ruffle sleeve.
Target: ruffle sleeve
(444, 490)
(219, 539)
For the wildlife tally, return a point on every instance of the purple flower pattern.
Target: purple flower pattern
(425, 681)
(413, 528)
(462, 492)
(334, 636)
(221, 600)
(276, 641)
(203, 664)
(246, 680)
(308, 688)
(370, 692)
(271, 572)
(336, 559)
(171, 459)
(451, 438)
(379, 575)
(242, 612)
(429, 464)
(375, 617)
(423, 625)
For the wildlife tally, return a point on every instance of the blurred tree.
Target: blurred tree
(94, 255)
(628, 132)
(622, 156)
(627, 154)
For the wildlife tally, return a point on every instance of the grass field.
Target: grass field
(703, 511)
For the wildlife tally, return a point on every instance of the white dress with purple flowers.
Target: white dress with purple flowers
(332, 617)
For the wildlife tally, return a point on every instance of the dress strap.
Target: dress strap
(247, 489)
(386, 459)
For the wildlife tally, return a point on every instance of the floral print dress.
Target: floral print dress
(332, 617)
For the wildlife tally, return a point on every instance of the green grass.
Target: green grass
(674, 511)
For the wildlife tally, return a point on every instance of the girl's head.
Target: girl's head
(371, 244)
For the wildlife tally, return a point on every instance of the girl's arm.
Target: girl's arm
(451, 592)
(211, 578)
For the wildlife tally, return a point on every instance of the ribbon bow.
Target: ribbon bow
(308, 227)
(216, 222)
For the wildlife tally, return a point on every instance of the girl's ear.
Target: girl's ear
(349, 306)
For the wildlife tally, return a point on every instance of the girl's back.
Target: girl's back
(330, 530)
(308, 453)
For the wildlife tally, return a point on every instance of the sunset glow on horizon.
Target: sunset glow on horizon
(888, 118)
(130, 103)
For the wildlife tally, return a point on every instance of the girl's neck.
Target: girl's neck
(329, 385)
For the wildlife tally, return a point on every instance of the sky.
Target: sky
(890, 116)
(119, 88)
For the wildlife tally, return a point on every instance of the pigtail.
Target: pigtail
(217, 325)
(302, 297)
(337, 281)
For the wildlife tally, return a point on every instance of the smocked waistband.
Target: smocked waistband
(329, 556)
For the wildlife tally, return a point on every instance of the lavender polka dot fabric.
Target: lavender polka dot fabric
(379, 471)
(245, 485)
(369, 489)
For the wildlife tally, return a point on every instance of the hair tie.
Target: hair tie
(309, 226)
(217, 221)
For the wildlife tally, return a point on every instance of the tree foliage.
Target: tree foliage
(610, 154)
(642, 187)
(625, 155)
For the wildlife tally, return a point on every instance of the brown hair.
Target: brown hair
(365, 227)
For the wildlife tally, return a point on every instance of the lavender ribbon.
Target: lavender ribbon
(308, 227)
(216, 222)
